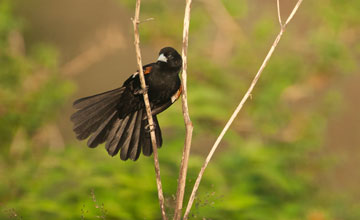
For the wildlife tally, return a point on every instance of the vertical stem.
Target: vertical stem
(279, 13)
(189, 126)
(136, 23)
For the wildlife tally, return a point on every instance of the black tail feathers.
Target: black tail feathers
(97, 116)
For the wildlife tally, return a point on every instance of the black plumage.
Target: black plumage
(118, 117)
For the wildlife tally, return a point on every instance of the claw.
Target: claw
(141, 91)
(148, 129)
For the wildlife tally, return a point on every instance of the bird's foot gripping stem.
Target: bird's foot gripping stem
(141, 91)
(149, 128)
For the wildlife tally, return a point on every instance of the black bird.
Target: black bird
(118, 117)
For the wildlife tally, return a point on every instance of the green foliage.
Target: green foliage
(264, 169)
(31, 89)
(60, 186)
(238, 10)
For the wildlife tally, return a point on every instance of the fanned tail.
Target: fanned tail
(131, 134)
(90, 100)
(97, 117)
(146, 138)
(95, 114)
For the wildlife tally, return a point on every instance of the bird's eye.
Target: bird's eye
(170, 56)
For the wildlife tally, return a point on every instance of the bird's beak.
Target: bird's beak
(162, 58)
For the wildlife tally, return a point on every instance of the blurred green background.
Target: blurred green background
(293, 153)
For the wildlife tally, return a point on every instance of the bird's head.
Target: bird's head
(170, 57)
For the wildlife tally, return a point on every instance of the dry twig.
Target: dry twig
(239, 107)
(188, 123)
(279, 13)
(136, 23)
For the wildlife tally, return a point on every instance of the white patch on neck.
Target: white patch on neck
(162, 58)
(135, 74)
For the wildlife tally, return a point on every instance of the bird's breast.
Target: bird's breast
(163, 88)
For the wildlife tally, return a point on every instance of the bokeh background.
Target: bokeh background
(293, 153)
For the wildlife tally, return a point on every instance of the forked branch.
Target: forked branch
(136, 23)
(242, 102)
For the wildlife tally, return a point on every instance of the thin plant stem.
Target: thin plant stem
(279, 13)
(188, 124)
(136, 23)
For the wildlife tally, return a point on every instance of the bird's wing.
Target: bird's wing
(158, 109)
